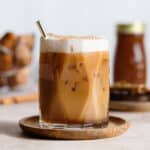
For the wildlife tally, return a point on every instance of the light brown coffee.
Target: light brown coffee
(74, 88)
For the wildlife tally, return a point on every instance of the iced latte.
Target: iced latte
(73, 81)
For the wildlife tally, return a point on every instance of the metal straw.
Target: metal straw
(43, 33)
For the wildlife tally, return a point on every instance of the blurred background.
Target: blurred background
(98, 17)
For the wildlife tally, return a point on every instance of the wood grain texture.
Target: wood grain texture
(116, 126)
(137, 106)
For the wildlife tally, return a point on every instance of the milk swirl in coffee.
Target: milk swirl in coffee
(74, 81)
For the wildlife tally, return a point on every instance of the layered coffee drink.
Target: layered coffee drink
(73, 81)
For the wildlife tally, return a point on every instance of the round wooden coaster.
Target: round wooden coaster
(116, 126)
(138, 106)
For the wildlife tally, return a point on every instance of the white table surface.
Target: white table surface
(11, 137)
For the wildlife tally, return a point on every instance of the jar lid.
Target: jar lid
(131, 28)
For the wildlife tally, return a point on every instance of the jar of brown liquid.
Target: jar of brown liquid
(130, 59)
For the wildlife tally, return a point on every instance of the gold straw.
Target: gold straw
(43, 33)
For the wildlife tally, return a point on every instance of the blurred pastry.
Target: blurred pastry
(23, 55)
(26, 40)
(23, 50)
(3, 81)
(8, 40)
(19, 77)
(15, 56)
(6, 60)
(7, 44)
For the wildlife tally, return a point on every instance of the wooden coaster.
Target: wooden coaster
(123, 105)
(116, 126)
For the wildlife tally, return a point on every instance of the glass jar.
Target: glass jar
(130, 59)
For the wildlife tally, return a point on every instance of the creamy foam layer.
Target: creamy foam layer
(73, 44)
